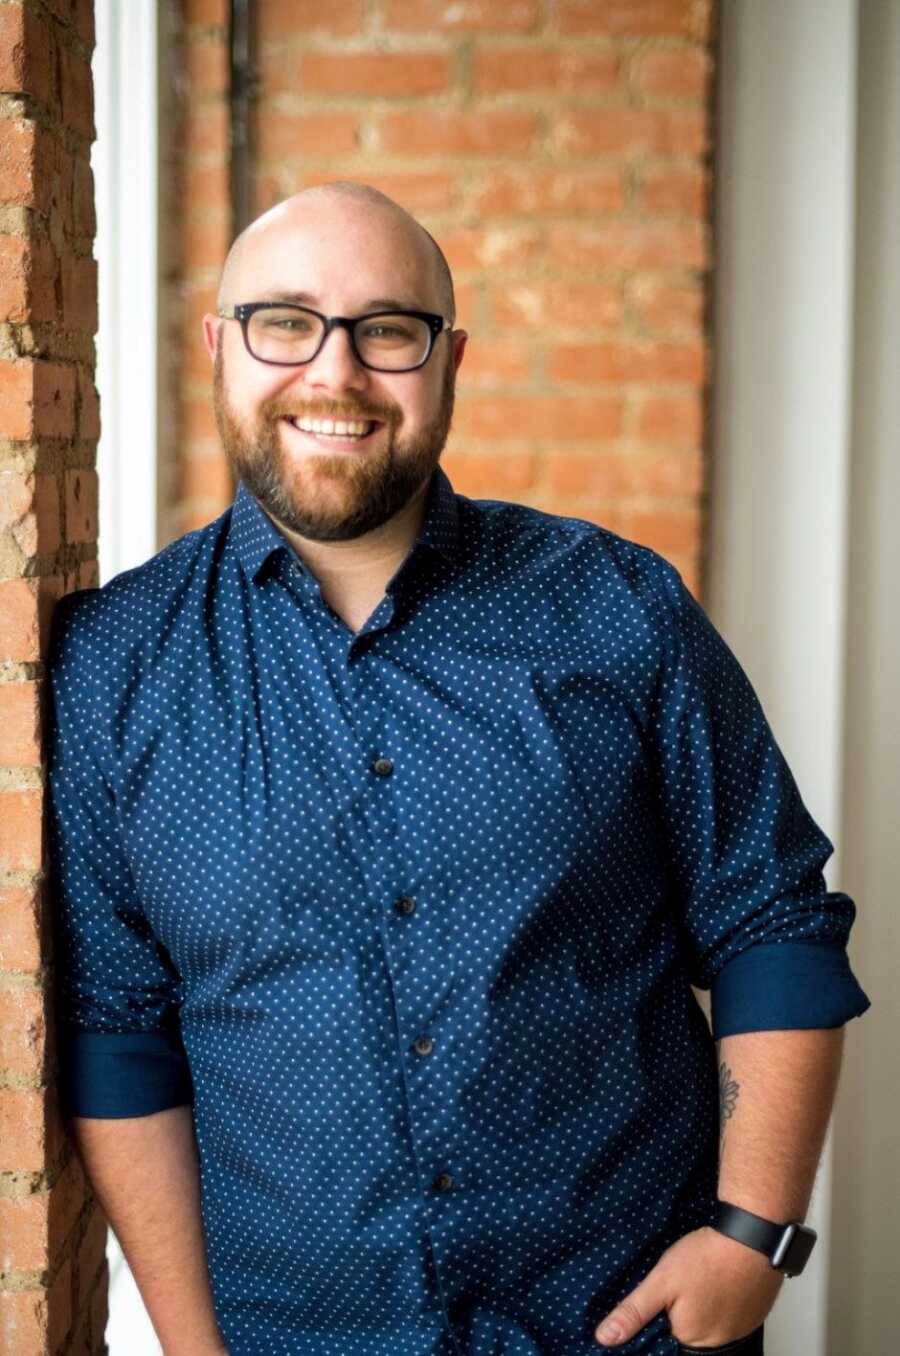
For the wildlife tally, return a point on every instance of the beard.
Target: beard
(331, 497)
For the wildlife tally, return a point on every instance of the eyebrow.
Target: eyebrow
(309, 299)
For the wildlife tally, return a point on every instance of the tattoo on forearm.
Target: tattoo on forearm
(729, 1091)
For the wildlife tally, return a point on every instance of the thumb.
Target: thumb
(634, 1311)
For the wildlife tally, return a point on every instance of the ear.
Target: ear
(211, 325)
(459, 339)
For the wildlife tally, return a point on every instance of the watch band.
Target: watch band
(787, 1246)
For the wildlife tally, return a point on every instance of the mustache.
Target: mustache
(274, 410)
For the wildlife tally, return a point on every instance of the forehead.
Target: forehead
(343, 254)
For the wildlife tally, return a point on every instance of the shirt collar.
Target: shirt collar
(256, 539)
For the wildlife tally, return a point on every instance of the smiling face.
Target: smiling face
(345, 256)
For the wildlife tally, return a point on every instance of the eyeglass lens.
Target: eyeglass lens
(281, 335)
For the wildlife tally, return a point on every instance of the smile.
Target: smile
(334, 428)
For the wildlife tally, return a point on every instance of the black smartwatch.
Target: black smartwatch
(787, 1246)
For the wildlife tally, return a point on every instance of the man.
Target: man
(391, 830)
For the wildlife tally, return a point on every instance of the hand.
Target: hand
(714, 1289)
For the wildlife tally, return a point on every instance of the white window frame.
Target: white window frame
(124, 161)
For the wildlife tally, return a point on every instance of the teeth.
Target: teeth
(340, 428)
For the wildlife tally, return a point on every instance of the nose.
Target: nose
(335, 367)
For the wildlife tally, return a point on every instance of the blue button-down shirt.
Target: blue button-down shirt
(412, 916)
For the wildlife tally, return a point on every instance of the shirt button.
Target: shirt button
(443, 1182)
(424, 1045)
(405, 904)
(383, 767)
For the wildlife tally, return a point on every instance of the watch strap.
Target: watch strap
(787, 1245)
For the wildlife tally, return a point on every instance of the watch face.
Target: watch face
(794, 1247)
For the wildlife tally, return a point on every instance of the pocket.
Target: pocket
(751, 1345)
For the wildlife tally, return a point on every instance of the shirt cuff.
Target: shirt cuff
(781, 986)
(110, 1074)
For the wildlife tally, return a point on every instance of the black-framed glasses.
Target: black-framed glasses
(288, 335)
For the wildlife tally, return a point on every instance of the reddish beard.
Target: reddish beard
(373, 487)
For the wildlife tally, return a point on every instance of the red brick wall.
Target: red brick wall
(559, 150)
(52, 1233)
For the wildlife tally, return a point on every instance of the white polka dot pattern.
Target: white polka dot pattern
(412, 916)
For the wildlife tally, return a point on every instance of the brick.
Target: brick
(206, 129)
(286, 136)
(665, 309)
(205, 245)
(84, 22)
(92, 1252)
(375, 74)
(99, 1314)
(14, 263)
(623, 362)
(597, 473)
(205, 184)
(510, 248)
(54, 400)
(631, 131)
(79, 290)
(629, 245)
(68, 1197)
(495, 362)
(545, 70)
(26, 164)
(557, 418)
(207, 13)
(84, 219)
(634, 18)
(681, 72)
(436, 132)
(198, 421)
(674, 192)
(488, 475)
(59, 1306)
(207, 68)
(22, 1033)
(550, 192)
(205, 477)
(20, 725)
(88, 575)
(26, 606)
(559, 306)
(21, 831)
(23, 1313)
(426, 191)
(22, 1130)
(280, 19)
(27, 280)
(462, 16)
(77, 91)
(88, 406)
(44, 290)
(81, 505)
(24, 1234)
(21, 940)
(676, 421)
(16, 391)
(26, 65)
(664, 530)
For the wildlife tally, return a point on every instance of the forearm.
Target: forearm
(776, 1095)
(145, 1173)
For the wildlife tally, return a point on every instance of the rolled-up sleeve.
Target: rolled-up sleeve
(760, 929)
(118, 993)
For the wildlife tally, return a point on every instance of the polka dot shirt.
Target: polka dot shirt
(412, 917)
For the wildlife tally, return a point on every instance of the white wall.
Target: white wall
(866, 1225)
(805, 424)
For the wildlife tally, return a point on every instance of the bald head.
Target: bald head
(341, 201)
